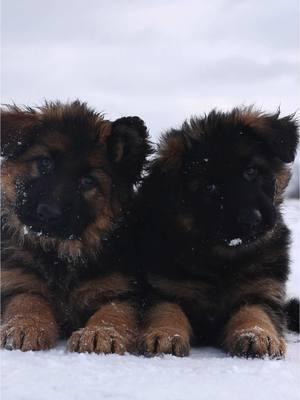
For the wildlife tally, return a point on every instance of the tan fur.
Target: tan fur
(18, 279)
(35, 151)
(72, 249)
(17, 253)
(119, 151)
(268, 257)
(105, 131)
(16, 121)
(92, 236)
(184, 289)
(28, 324)
(166, 329)
(56, 141)
(103, 179)
(274, 290)
(171, 151)
(251, 332)
(69, 249)
(104, 288)
(282, 180)
(59, 113)
(251, 117)
(106, 202)
(112, 329)
(9, 173)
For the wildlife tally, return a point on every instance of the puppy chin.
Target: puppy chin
(241, 244)
(241, 241)
(38, 230)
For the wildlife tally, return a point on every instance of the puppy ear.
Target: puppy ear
(128, 145)
(17, 129)
(171, 149)
(280, 135)
(174, 144)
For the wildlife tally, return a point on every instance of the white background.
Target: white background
(160, 59)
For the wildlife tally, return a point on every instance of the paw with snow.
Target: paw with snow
(28, 334)
(255, 342)
(104, 339)
(159, 341)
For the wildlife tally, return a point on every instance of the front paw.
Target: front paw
(27, 334)
(159, 341)
(101, 340)
(255, 343)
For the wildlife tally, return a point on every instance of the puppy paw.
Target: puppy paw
(100, 340)
(164, 342)
(27, 334)
(255, 343)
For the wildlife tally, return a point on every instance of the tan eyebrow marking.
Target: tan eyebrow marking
(55, 141)
(97, 159)
(103, 179)
(35, 152)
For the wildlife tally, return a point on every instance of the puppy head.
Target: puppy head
(229, 171)
(67, 173)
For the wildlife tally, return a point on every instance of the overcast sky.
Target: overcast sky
(162, 60)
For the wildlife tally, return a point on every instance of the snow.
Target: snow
(206, 374)
(293, 190)
(235, 242)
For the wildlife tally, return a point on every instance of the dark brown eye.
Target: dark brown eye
(45, 165)
(250, 174)
(87, 182)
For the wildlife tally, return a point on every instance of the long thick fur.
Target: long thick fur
(213, 245)
(68, 177)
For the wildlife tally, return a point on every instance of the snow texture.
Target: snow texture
(206, 374)
(235, 242)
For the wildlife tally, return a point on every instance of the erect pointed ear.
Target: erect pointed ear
(173, 146)
(279, 134)
(128, 145)
(17, 129)
(171, 150)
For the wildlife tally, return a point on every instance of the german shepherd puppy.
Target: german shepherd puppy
(67, 176)
(213, 244)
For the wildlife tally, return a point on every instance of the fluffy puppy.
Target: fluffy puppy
(213, 244)
(67, 176)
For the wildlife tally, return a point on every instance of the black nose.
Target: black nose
(250, 217)
(48, 213)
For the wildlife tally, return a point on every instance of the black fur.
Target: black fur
(292, 311)
(68, 177)
(209, 216)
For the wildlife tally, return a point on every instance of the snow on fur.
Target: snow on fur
(206, 374)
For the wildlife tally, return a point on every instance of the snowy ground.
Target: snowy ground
(206, 374)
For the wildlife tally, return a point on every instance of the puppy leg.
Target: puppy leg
(28, 323)
(251, 333)
(112, 329)
(166, 330)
